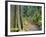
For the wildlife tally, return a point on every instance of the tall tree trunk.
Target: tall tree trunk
(22, 18)
(18, 16)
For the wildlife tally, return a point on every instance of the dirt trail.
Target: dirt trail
(30, 27)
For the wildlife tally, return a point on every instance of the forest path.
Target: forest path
(30, 27)
(33, 28)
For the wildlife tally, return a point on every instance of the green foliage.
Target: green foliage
(34, 12)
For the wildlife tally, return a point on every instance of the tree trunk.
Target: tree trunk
(18, 17)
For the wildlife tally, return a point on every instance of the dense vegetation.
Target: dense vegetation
(34, 14)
